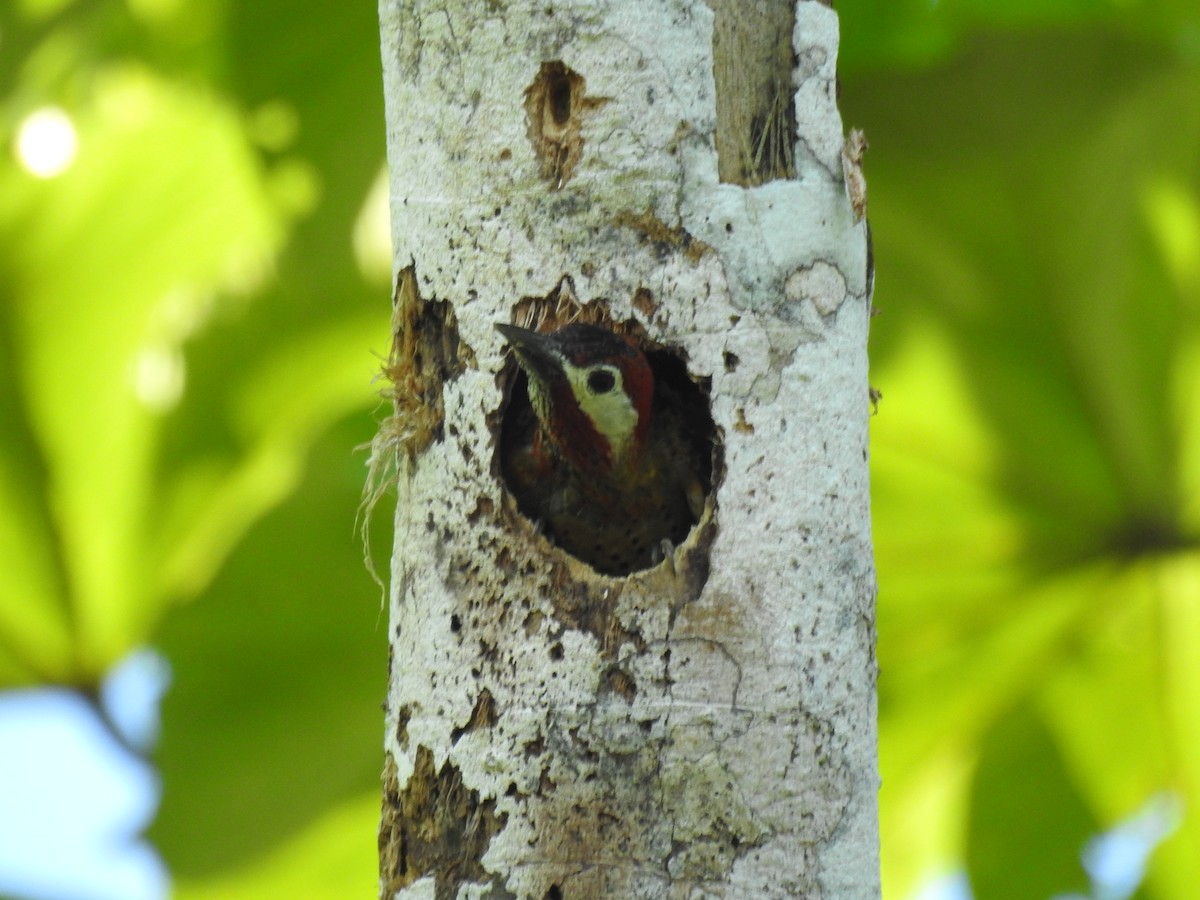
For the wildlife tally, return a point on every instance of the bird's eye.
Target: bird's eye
(601, 381)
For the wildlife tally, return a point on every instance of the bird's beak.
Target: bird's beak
(536, 353)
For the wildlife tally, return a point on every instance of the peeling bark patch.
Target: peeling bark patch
(390, 832)
(426, 353)
(562, 306)
(554, 104)
(533, 622)
(741, 425)
(434, 826)
(621, 683)
(665, 239)
(585, 606)
(536, 747)
(643, 302)
(403, 715)
(852, 170)
(484, 715)
(756, 113)
(484, 508)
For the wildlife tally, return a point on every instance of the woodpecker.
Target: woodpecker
(606, 457)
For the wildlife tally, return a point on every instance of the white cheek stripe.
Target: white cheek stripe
(612, 413)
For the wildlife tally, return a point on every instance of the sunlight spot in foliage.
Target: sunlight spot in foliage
(183, 312)
(294, 186)
(273, 125)
(46, 142)
(159, 368)
(41, 9)
(372, 232)
(154, 10)
(130, 95)
(159, 376)
(246, 270)
(1173, 214)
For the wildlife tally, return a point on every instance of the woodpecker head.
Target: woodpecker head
(591, 390)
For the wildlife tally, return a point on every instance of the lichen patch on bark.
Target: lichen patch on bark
(820, 284)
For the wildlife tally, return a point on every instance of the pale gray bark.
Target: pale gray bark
(705, 728)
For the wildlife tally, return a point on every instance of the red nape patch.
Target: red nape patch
(639, 384)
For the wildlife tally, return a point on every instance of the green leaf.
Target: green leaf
(333, 858)
(1174, 866)
(283, 402)
(1035, 455)
(1028, 823)
(35, 627)
(187, 319)
(279, 672)
(106, 281)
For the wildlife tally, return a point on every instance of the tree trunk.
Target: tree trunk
(704, 727)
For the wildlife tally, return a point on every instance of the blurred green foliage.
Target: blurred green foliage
(188, 313)
(192, 313)
(1035, 200)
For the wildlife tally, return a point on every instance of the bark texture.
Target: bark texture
(705, 727)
